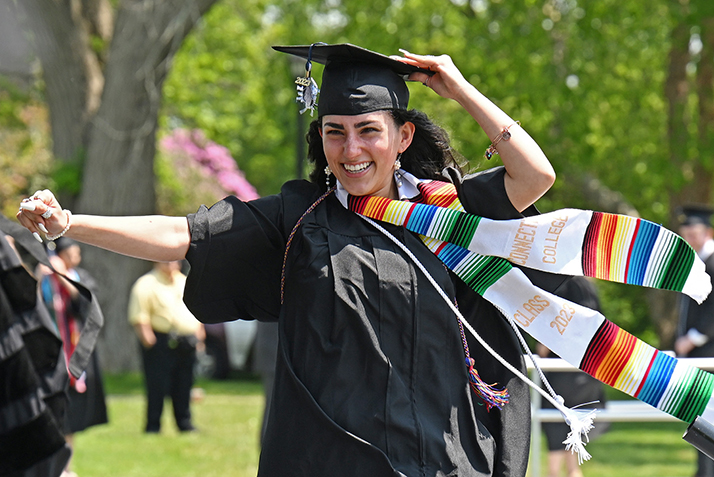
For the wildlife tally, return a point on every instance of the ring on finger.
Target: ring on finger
(47, 214)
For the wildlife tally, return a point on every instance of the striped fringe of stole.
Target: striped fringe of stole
(612, 247)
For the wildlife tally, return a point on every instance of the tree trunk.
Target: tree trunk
(117, 143)
(60, 46)
(677, 91)
(72, 72)
(701, 190)
(662, 304)
(119, 170)
(697, 170)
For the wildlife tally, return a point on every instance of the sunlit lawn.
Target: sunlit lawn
(638, 450)
(229, 418)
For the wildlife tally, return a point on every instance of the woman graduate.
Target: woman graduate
(372, 374)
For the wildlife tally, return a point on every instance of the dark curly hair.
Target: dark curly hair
(427, 156)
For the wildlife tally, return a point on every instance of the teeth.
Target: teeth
(356, 167)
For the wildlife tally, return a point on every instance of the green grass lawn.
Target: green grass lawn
(228, 418)
(230, 415)
(631, 449)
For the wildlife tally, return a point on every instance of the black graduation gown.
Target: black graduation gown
(89, 408)
(33, 377)
(370, 376)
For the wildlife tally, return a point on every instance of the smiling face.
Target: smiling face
(361, 151)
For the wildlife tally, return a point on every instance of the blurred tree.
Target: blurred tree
(689, 94)
(195, 170)
(617, 92)
(103, 72)
(592, 82)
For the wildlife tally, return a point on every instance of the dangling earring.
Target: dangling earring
(397, 166)
(328, 173)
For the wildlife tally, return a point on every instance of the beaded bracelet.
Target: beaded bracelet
(66, 228)
(504, 135)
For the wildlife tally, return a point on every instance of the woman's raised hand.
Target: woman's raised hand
(447, 81)
(529, 174)
(41, 212)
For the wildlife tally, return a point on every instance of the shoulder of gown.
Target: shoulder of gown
(236, 254)
(484, 193)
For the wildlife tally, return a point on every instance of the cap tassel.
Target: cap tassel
(488, 393)
(307, 89)
(307, 92)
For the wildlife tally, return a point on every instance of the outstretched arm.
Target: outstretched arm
(152, 237)
(529, 174)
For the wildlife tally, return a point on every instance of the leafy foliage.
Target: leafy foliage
(227, 88)
(586, 79)
(192, 170)
(25, 159)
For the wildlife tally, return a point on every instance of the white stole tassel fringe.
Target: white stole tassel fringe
(580, 422)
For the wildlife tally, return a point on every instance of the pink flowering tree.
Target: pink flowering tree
(193, 170)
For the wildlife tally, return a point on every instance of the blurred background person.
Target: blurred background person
(696, 322)
(169, 336)
(87, 402)
(575, 387)
(33, 373)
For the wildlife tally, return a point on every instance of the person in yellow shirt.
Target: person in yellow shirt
(169, 335)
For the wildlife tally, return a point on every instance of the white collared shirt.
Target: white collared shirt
(406, 187)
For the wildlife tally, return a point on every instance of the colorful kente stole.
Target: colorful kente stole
(575, 242)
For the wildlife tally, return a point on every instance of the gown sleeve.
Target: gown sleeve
(236, 255)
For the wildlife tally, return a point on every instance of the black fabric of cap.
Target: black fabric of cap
(357, 80)
(695, 214)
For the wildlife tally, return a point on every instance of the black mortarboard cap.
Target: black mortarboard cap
(356, 80)
(695, 214)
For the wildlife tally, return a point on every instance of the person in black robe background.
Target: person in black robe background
(33, 373)
(696, 325)
(696, 321)
(33, 370)
(87, 403)
(370, 376)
